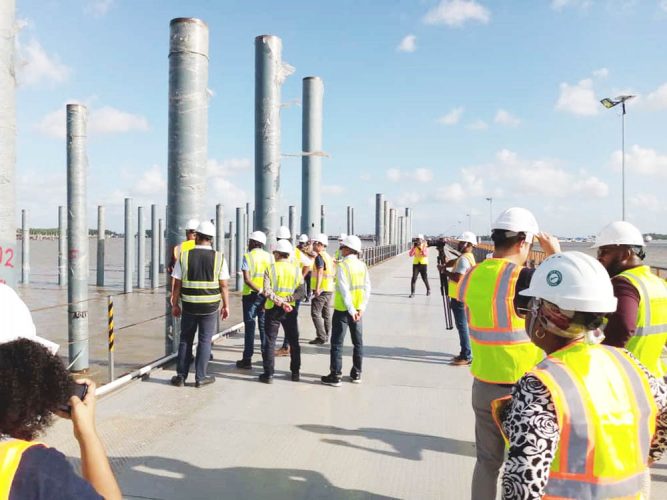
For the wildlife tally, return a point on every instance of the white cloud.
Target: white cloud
(663, 5)
(220, 187)
(419, 175)
(456, 13)
(334, 189)
(561, 4)
(104, 120)
(451, 118)
(601, 73)
(227, 167)
(477, 125)
(408, 44)
(647, 201)
(658, 98)
(644, 161)
(409, 199)
(394, 174)
(151, 183)
(98, 8)
(423, 175)
(36, 65)
(578, 99)
(506, 118)
(451, 193)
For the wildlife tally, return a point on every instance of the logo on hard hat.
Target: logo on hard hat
(554, 278)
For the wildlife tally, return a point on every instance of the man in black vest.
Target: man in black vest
(200, 283)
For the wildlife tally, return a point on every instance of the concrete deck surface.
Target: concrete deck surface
(405, 432)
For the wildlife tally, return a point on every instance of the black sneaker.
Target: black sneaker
(266, 379)
(316, 342)
(411, 295)
(296, 377)
(244, 364)
(428, 292)
(355, 377)
(208, 379)
(332, 380)
(177, 380)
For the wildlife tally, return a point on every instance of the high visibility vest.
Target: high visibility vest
(258, 262)
(453, 286)
(200, 287)
(606, 417)
(502, 351)
(188, 245)
(285, 279)
(11, 452)
(327, 275)
(355, 272)
(338, 256)
(419, 257)
(651, 333)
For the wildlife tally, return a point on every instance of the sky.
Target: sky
(438, 104)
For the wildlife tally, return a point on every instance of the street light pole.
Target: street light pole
(490, 200)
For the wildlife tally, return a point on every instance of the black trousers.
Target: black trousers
(273, 319)
(419, 269)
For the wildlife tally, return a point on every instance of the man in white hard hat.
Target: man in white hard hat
(337, 255)
(200, 284)
(353, 290)
(419, 254)
(255, 263)
(640, 321)
(187, 244)
(283, 286)
(322, 283)
(459, 267)
(501, 352)
(304, 247)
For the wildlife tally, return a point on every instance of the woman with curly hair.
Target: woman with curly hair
(34, 384)
(589, 419)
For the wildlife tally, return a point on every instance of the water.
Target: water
(656, 251)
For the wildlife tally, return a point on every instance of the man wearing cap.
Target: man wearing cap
(419, 254)
(322, 283)
(255, 263)
(187, 244)
(283, 286)
(353, 290)
(640, 321)
(200, 277)
(460, 266)
(501, 351)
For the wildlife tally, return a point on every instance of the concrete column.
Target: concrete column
(291, 220)
(128, 260)
(270, 72)
(311, 161)
(8, 255)
(254, 220)
(349, 220)
(25, 248)
(385, 222)
(248, 223)
(323, 219)
(352, 219)
(220, 229)
(160, 239)
(400, 230)
(101, 234)
(155, 251)
(230, 247)
(141, 249)
(239, 249)
(392, 227)
(244, 231)
(62, 246)
(379, 222)
(77, 238)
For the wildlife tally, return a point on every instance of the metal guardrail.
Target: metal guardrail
(375, 255)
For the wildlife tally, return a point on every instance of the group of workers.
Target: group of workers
(274, 286)
(580, 401)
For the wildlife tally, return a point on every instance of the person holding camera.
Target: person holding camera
(419, 254)
(35, 386)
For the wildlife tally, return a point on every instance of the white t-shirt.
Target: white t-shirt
(177, 273)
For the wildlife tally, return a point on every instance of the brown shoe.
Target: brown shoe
(283, 351)
(462, 362)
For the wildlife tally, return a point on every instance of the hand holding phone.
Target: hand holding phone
(78, 390)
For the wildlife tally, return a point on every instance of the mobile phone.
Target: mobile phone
(78, 390)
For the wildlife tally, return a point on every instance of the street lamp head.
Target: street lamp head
(609, 102)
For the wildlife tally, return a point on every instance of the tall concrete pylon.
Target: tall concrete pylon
(379, 219)
(311, 161)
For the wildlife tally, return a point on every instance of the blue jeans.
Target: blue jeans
(253, 307)
(459, 310)
(189, 323)
(340, 322)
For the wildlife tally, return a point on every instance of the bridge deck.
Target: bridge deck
(406, 432)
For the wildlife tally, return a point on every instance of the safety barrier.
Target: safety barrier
(375, 255)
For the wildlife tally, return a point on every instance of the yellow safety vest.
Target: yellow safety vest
(651, 333)
(203, 294)
(285, 279)
(258, 262)
(453, 286)
(188, 245)
(11, 452)
(327, 276)
(338, 256)
(502, 351)
(355, 270)
(419, 257)
(606, 418)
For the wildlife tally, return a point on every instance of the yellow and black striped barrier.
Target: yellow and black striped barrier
(111, 338)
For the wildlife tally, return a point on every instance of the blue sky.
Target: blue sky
(436, 104)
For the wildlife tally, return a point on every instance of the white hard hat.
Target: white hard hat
(258, 236)
(420, 236)
(352, 242)
(304, 238)
(342, 236)
(321, 238)
(192, 225)
(283, 233)
(573, 281)
(619, 233)
(518, 220)
(206, 228)
(468, 237)
(284, 246)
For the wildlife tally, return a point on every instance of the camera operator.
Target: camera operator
(419, 254)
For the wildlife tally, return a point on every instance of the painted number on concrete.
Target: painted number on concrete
(79, 314)
(6, 257)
